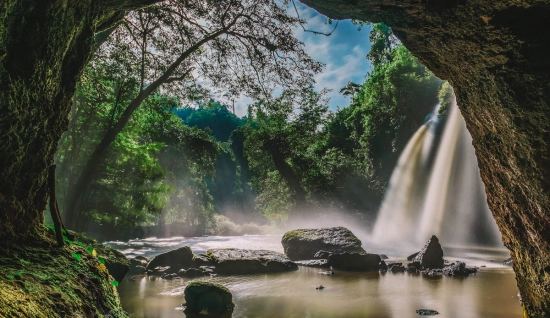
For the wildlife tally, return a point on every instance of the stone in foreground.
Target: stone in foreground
(231, 261)
(175, 259)
(431, 255)
(427, 312)
(204, 299)
(303, 244)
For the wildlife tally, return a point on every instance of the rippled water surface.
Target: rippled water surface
(491, 293)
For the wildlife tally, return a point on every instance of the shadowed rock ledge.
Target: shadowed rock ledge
(494, 54)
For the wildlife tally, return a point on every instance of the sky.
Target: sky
(343, 53)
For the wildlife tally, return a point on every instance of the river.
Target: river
(490, 293)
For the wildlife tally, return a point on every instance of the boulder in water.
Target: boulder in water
(303, 244)
(396, 267)
(352, 261)
(192, 272)
(136, 270)
(455, 269)
(427, 312)
(314, 263)
(232, 261)
(202, 260)
(431, 255)
(412, 256)
(175, 259)
(204, 297)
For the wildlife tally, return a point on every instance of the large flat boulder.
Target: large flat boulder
(181, 258)
(431, 255)
(354, 261)
(231, 261)
(303, 244)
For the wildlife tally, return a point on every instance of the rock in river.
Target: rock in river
(176, 259)
(351, 261)
(231, 261)
(427, 312)
(303, 244)
(431, 255)
(205, 297)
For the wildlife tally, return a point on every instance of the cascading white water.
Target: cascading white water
(404, 192)
(444, 196)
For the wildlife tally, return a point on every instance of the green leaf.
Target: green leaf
(90, 249)
(114, 283)
(19, 273)
(11, 277)
(101, 260)
(77, 256)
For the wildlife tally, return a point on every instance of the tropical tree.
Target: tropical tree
(238, 46)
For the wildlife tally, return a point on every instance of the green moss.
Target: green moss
(206, 297)
(39, 279)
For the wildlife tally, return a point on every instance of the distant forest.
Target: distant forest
(181, 156)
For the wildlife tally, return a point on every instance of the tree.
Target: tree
(350, 89)
(243, 46)
(389, 107)
(213, 115)
(281, 137)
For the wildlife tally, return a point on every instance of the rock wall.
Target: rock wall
(496, 55)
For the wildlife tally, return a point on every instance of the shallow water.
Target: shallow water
(491, 293)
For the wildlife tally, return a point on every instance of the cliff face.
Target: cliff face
(496, 56)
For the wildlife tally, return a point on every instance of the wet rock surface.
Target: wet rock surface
(192, 272)
(137, 266)
(314, 263)
(229, 261)
(454, 269)
(352, 261)
(204, 297)
(303, 244)
(427, 312)
(177, 259)
(431, 255)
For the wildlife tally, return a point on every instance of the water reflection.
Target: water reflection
(492, 293)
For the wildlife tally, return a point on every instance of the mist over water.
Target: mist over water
(436, 189)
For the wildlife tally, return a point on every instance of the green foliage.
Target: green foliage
(383, 42)
(388, 109)
(101, 260)
(286, 146)
(114, 283)
(213, 115)
(446, 97)
(77, 256)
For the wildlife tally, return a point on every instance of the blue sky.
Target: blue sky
(343, 53)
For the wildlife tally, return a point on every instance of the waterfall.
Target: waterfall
(436, 189)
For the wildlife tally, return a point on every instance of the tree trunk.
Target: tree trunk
(75, 193)
(495, 55)
(44, 45)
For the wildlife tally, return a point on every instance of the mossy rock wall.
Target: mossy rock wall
(39, 279)
(495, 55)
